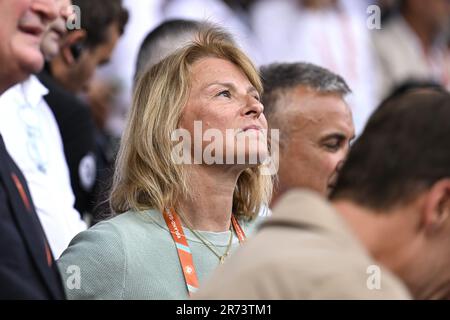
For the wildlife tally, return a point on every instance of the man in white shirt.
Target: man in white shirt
(33, 140)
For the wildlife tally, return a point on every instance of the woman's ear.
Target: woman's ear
(72, 39)
(436, 211)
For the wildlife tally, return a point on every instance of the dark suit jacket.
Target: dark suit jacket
(27, 267)
(77, 129)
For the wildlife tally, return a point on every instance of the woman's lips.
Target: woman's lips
(252, 127)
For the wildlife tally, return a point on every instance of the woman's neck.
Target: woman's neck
(210, 206)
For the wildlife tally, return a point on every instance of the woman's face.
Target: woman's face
(224, 115)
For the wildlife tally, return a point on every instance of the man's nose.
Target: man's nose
(46, 9)
(340, 165)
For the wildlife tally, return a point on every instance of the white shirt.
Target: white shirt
(33, 140)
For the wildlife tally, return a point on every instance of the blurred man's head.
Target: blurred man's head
(165, 39)
(57, 30)
(415, 85)
(23, 23)
(397, 175)
(306, 103)
(433, 15)
(318, 4)
(102, 24)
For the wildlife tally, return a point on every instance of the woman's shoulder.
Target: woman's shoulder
(104, 250)
(131, 221)
(114, 235)
(91, 256)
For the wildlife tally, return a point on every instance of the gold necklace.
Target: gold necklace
(208, 243)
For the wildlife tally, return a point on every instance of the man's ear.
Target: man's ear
(72, 38)
(436, 209)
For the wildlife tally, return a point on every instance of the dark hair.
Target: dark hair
(280, 77)
(404, 150)
(166, 38)
(97, 16)
(411, 85)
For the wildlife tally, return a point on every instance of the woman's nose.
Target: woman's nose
(253, 108)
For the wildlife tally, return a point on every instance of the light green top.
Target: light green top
(133, 256)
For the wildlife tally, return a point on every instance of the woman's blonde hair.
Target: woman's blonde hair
(146, 175)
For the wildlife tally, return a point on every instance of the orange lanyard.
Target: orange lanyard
(184, 252)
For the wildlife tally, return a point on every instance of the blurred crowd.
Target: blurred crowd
(71, 126)
(410, 43)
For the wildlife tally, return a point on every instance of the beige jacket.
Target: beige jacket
(304, 251)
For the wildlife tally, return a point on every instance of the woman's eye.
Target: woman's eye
(225, 93)
(257, 98)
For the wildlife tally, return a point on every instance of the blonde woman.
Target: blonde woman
(178, 221)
